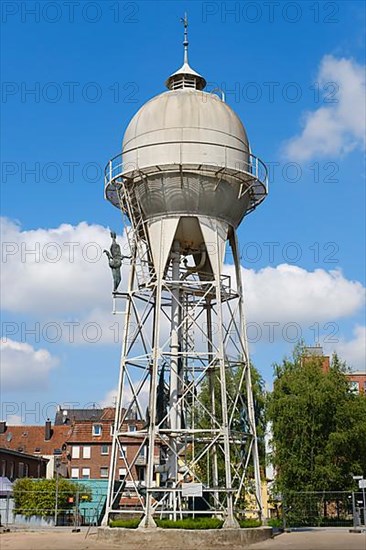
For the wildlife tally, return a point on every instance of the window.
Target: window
(11, 471)
(21, 469)
(85, 473)
(75, 452)
(123, 452)
(140, 472)
(26, 470)
(104, 450)
(104, 472)
(364, 386)
(131, 428)
(122, 473)
(142, 452)
(354, 386)
(86, 452)
(97, 429)
(74, 473)
(3, 468)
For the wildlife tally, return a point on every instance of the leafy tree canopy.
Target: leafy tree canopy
(234, 384)
(318, 425)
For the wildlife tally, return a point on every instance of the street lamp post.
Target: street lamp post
(362, 485)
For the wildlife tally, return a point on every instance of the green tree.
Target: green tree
(37, 497)
(203, 420)
(318, 425)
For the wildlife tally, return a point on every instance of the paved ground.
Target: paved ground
(321, 539)
(66, 540)
(51, 539)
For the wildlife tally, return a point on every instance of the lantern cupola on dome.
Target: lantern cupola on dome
(185, 77)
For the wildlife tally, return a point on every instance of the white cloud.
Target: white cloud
(353, 351)
(55, 271)
(288, 293)
(335, 128)
(14, 420)
(110, 398)
(77, 290)
(23, 367)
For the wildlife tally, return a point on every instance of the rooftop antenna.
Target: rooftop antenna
(184, 20)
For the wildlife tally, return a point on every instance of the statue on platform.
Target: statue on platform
(115, 261)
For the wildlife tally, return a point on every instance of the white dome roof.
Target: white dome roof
(186, 153)
(185, 115)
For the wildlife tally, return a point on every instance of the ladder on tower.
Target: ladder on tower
(189, 332)
(137, 235)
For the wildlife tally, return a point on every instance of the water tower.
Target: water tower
(184, 181)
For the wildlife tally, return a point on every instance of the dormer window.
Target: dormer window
(97, 429)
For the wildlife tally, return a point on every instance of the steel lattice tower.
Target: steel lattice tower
(184, 181)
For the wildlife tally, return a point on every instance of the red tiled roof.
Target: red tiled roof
(108, 413)
(30, 438)
(83, 431)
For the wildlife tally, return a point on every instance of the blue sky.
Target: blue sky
(291, 71)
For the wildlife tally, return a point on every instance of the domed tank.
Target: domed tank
(186, 153)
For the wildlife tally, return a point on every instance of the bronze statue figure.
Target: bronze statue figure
(115, 261)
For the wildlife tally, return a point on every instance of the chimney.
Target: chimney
(47, 430)
(2, 427)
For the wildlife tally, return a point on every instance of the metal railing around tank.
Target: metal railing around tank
(253, 172)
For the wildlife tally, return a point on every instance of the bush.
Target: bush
(275, 522)
(190, 523)
(248, 523)
(37, 497)
(186, 523)
(125, 523)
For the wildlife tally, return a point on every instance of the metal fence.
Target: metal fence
(292, 510)
(37, 508)
(324, 509)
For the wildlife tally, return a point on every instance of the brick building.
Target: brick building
(40, 441)
(316, 353)
(358, 381)
(15, 464)
(90, 445)
(79, 444)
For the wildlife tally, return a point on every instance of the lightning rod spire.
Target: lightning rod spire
(184, 20)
